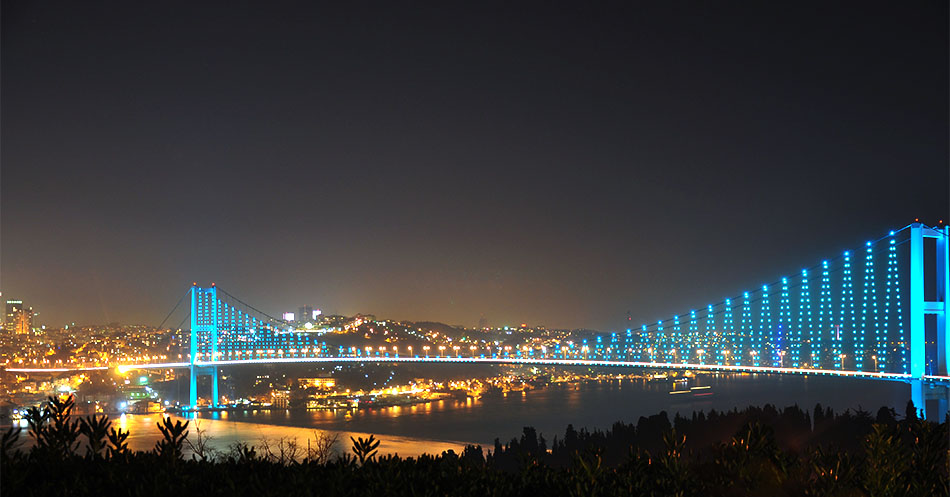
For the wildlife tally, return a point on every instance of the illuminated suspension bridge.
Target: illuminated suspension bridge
(878, 311)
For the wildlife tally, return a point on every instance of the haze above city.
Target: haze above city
(543, 165)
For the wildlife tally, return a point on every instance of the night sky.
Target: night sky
(548, 163)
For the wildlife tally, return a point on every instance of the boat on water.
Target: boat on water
(698, 391)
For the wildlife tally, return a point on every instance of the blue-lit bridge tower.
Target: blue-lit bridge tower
(225, 329)
(929, 299)
(204, 335)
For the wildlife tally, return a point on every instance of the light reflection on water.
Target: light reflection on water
(450, 424)
(223, 432)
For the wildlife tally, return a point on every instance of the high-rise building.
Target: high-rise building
(305, 314)
(18, 318)
(12, 306)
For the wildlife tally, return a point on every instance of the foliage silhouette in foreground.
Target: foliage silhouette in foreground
(173, 437)
(767, 452)
(365, 449)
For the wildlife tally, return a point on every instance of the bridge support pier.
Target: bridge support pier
(214, 387)
(196, 371)
(193, 391)
(922, 391)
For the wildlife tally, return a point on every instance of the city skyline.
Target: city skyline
(549, 166)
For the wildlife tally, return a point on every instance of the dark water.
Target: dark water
(590, 405)
(442, 425)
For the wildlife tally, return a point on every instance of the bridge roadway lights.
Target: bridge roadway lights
(929, 387)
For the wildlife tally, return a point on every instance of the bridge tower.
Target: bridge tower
(923, 305)
(204, 327)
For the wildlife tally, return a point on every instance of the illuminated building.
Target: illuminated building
(18, 319)
(317, 382)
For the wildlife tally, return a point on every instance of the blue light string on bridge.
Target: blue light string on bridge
(728, 333)
(891, 266)
(825, 317)
(765, 325)
(880, 334)
(804, 300)
(900, 316)
(707, 336)
(643, 333)
(691, 339)
(677, 333)
(810, 323)
(847, 311)
(780, 336)
(745, 331)
(859, 346)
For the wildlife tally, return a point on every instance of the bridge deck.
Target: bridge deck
(505, 361)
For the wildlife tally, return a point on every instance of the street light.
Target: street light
(441, 350)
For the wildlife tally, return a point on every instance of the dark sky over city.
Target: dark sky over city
(548, 163)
